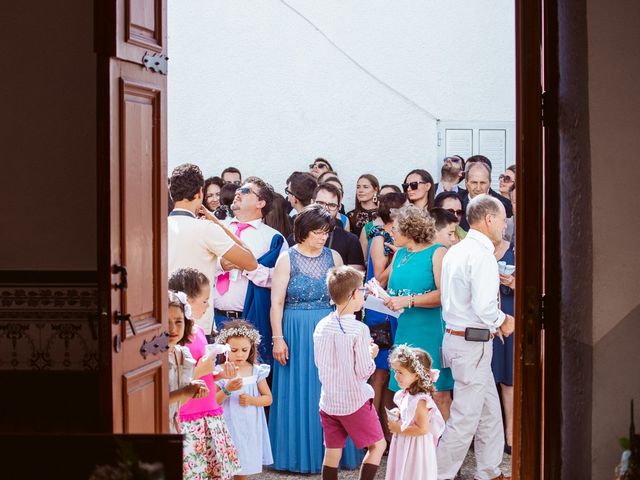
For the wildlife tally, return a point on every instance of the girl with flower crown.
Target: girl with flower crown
(417, 423)
(208, 450)
(244, 400)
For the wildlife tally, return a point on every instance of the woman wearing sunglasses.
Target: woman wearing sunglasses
(507, 181)
(418, 185)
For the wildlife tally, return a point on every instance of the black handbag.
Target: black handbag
(381, 334)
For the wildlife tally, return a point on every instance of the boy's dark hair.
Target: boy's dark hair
(189, 281)
(390, 201)
(278, 217)
(328, 187)
(442, 217)
(174, 301)
(302, 186)
(253, 352)
(342, 281)
(265, 193)
(395, 188)
(185, 182)
(231, 170)
(312, 217)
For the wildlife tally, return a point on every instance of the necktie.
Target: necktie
(222, 281)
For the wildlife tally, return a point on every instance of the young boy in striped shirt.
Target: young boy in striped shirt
(344, 354)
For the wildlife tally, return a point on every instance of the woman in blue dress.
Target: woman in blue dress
(299, 300)
(503, 349)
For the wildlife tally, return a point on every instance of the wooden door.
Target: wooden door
(132, 191)
(529, 354)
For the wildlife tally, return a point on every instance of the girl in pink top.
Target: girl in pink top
(209, 452)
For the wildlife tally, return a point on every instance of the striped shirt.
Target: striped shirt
(341, 350)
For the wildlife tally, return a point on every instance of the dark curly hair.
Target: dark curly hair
(185, 182)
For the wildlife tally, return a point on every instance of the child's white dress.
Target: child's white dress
(412, 457)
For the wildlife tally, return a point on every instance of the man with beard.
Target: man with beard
(451, 174)
(246, 294)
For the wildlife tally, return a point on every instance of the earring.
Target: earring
(375, 199)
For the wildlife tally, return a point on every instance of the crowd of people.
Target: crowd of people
(311, 338)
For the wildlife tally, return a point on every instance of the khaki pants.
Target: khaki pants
(475, 410)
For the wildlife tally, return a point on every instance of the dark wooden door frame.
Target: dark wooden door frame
(537, 406)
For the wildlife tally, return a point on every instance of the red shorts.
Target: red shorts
(363, 426)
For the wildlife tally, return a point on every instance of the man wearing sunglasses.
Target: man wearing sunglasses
(319, 166)
(345, 243)
(451, 174)
(241, 293)
(197, 243)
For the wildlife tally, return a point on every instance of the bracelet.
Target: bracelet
(225, 391)
(411, 298)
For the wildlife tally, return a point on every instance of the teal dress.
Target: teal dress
(419, 327)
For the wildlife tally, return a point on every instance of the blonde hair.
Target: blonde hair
(415, 223)
(342, 281)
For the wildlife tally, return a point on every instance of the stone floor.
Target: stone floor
(468, 468)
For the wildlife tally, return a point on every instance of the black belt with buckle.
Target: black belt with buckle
(229, 313)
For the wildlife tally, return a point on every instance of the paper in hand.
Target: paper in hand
(392, 415)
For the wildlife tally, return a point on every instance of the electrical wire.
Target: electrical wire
(359, 65)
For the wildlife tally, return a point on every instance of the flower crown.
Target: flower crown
(183, 300)
(427, 378)
(250, 333)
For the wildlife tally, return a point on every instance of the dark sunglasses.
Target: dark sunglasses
(457, 213)
(411, 185)
(246, 191)
(506, 178)
(321, 166)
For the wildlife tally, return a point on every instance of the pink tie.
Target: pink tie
(222, 281)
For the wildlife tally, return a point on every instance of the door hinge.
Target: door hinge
(156, 62)
(542, 305)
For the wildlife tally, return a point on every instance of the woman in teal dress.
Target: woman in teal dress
(414, 286)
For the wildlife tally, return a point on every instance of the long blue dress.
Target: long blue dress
(502, 362)
(294, 417)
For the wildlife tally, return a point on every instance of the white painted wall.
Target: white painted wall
(254, 85)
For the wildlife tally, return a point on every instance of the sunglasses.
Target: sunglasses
(246, 191)
(457, 213)
(506, 178)
(455, 159)
(329, 206)
(319, 166)
(411, 185)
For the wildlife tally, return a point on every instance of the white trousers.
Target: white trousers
(475, 410)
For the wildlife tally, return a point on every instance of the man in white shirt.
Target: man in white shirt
(470, 308)
(198, 243)
(252, 201)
